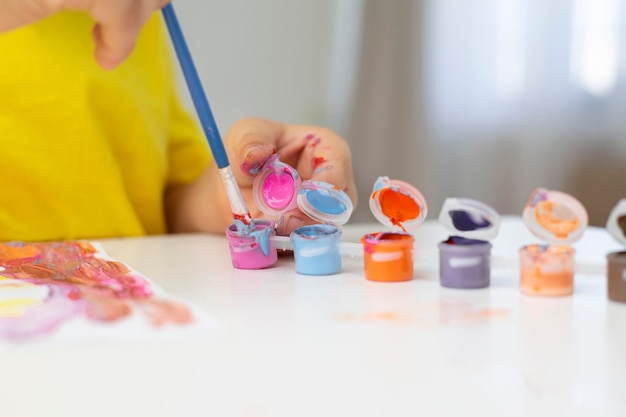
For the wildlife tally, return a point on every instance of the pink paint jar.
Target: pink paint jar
(616, 261)
(253, 251)
(559, 219)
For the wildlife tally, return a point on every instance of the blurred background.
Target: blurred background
(485, 99)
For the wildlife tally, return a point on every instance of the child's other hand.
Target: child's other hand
(118, 22)
(316, 153)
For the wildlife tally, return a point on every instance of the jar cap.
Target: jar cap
(397, 204)
(469, 219)
(554, 216)
(616, 223)
(324, 202)
(276, 187)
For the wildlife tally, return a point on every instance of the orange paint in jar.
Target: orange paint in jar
(558, 219)
(388, 256)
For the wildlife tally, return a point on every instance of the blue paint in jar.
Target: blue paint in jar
(316, 249)
(322, 200)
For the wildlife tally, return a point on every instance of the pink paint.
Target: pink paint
(79, 284)
(254, 250)
(278, 190)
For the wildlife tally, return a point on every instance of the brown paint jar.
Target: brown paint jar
(616, 261)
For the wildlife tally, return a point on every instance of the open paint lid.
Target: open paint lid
(324, 202)
(616, 223)
(398, 204)
(278, 189)
(275, 187)
(470, 219)
(554, 216)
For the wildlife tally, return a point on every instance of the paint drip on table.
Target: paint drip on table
(46, 287)
(388, 256)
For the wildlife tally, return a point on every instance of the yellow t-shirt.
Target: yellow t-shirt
(84, 152)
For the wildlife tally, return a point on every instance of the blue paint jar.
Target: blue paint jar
(316, 249)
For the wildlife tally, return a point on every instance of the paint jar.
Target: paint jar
(388, 256)
(316, 249)
(547, 270)
(253, 251)
(465, 258)
(559, 219)
(278, 189)
(616, 261)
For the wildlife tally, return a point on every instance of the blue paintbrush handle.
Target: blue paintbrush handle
(195, 87)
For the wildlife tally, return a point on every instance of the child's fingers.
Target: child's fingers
(249, 144)
(326, 157)
(117, 27)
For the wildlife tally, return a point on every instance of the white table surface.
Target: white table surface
(295, 346)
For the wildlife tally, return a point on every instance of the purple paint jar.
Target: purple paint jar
(465, 258)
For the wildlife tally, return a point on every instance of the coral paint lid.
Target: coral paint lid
(616, 223)
(276, 186)
(398, 204)
(554, 216)
(324, 202)
(469, 219)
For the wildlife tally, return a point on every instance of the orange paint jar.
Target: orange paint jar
(547, 270)
(559, 219)
(388, 255)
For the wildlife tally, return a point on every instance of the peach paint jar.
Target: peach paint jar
(616, 261)
(388, 255)
(558, 219)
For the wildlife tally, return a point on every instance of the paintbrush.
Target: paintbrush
(242, 219)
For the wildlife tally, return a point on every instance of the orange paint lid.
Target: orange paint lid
(616, 223)
(554, 216)
(397, 204)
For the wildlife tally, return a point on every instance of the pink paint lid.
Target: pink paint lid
(616, 223)
(276, 186)
(470, 219)
(397, 204)
(278, 189)
(554, 216)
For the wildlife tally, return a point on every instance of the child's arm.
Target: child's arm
(117, 22)
(316, 153)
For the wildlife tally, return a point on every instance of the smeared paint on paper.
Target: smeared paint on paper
(44, 286)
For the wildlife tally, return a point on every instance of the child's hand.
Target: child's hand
(316, 153)
(118, 22)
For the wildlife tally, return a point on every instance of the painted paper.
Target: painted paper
(57, 291)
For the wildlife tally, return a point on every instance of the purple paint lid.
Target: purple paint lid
(616, 223)
(554, 216)
(470, 219)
